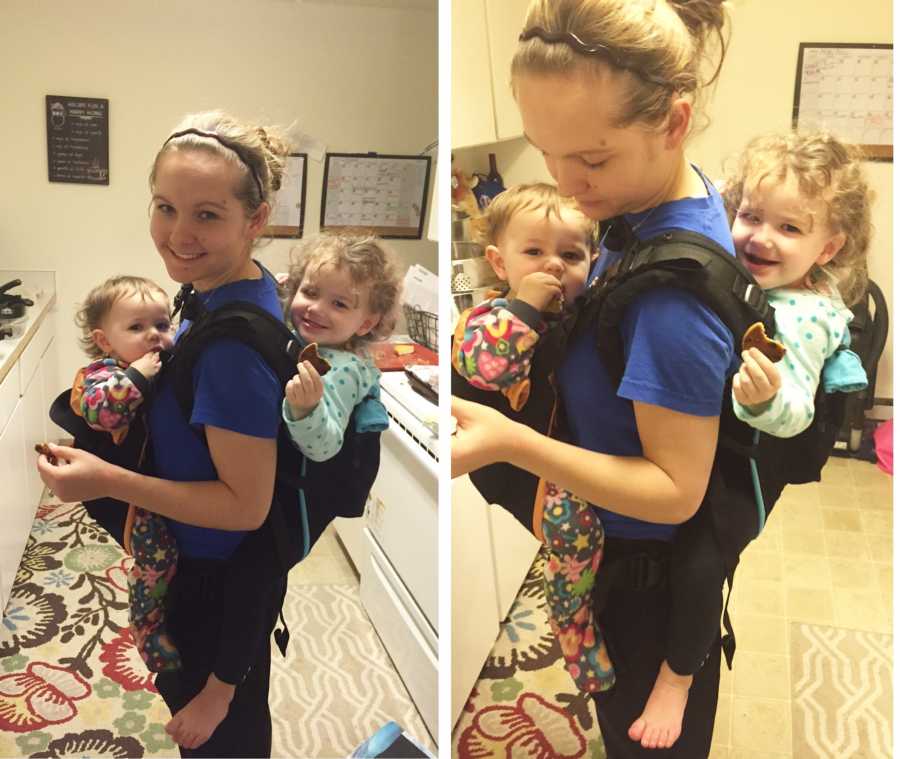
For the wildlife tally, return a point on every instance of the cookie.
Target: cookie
(755, 337)
(556, 305)
(44, 450)
(311, 353)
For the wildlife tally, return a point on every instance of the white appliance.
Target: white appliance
(394, 545)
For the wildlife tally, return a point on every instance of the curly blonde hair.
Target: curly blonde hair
(825, 169)
(538, 196)
(102, 298)
(370, 264)
(663, 47)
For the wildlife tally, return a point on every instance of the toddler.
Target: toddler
(341, 293)
(800, 207)
(541, 246)
(125, 324)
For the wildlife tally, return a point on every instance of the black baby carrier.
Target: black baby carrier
(307, 495)
(751, 468)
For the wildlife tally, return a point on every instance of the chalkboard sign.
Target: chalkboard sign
(77, 139)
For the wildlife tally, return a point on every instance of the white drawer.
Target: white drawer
(406, 636)
(402, 514)
(31, 356)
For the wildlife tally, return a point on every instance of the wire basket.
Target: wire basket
(422, 326)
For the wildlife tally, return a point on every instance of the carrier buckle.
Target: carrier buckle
(644, 572)
(752, 294)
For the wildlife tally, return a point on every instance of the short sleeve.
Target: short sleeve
(678, 353)
(234, 389)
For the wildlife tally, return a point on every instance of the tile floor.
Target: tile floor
(825, 557)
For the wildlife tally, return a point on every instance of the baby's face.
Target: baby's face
(134, 326)
(329, 308)
(534, 241)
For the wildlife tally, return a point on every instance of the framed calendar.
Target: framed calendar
(847, 89)
(367, 193)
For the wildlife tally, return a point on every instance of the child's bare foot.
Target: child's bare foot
(660, 723)
(198, 719)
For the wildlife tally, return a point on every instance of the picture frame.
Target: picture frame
(289, 209)
(847, 89)
(369, 193)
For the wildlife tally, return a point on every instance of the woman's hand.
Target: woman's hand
(480, 437)
(304, 391)
(756, 382)
(76, 476)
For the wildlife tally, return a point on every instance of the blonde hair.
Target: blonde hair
(660, 46)
(825, 169)
(258, 152)
(370, 264)
(538, 196)
(102, 298)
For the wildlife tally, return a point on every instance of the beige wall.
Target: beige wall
(355, 78)
(755, 95)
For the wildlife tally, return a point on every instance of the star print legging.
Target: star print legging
(574, 537)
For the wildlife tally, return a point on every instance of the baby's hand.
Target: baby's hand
(539, 289)
(756, 382)
(148, 364)
(303, 391)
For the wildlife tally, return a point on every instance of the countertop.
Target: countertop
(40, 287)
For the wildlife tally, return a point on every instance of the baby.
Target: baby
(125, 324)
(541, 246)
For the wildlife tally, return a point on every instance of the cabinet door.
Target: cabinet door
(15, 506)
(50, 372)
(505, 21)
(34, 410)
(472, 104)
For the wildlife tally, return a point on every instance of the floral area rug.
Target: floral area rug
(71, 681)
(525, 704)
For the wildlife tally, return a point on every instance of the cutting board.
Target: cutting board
(385, 356)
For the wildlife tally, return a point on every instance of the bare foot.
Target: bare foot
(660, 723)
(198, 719)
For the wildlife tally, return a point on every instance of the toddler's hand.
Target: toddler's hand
(303, 391)
(148, 364)
(756, 382)
(539, 289)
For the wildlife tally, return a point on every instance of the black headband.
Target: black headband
(595, 49)
(233, 146)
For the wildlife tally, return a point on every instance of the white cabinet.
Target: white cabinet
(491, 553)
(505, 20)
(484, 37)
(25, 397)
(15, 508)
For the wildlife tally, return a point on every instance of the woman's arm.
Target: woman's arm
(238, 500)
(665, 485)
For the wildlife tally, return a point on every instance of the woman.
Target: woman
(212, 184)
(607, 90)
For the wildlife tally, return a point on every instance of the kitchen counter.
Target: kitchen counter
(39, 286)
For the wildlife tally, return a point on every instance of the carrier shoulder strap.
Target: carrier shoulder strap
(676, 259)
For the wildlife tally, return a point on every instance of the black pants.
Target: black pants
(635, 626)
(696, 577)
(196, 611)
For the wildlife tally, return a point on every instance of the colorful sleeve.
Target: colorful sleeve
(809, 339)
(320, 434)
(111, 398)
(496, 347)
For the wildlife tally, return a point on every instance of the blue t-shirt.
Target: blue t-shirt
(234, 389)
(677, 355)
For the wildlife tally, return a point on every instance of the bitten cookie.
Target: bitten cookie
(755, 337)
(44, 450)
(311, 353)
(556, 305)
